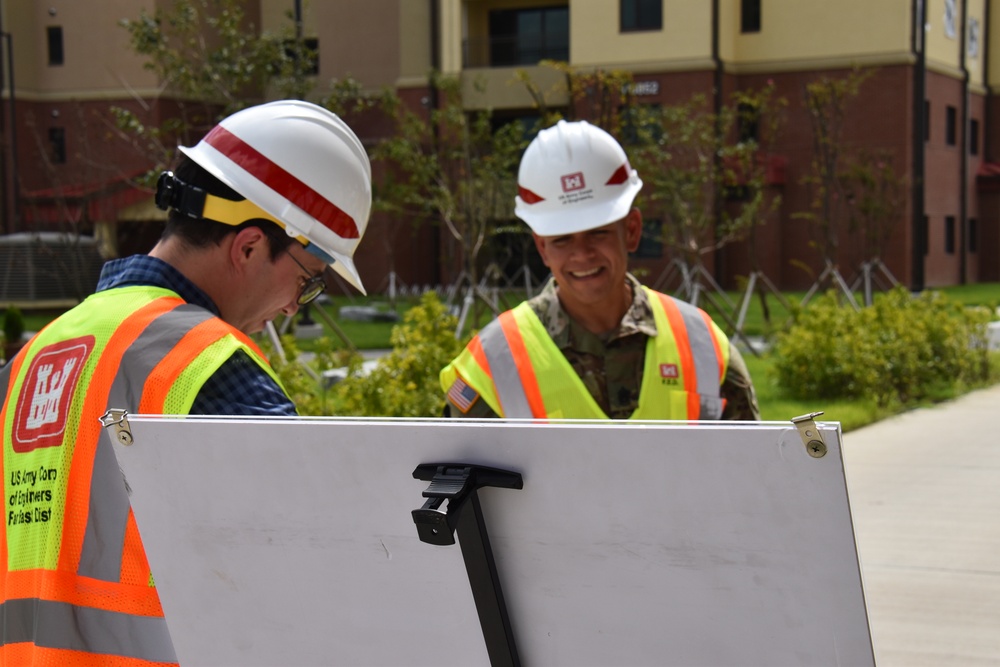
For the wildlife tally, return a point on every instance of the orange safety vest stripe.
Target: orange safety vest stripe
(178, 360)
(15, 370)
(80, 591)
(81, 467)
(135, 567)
(29, 654)
(676, 321)
(525, 368)
(476, 349)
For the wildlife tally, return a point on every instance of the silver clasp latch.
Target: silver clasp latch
(119, 420)
(810, 433)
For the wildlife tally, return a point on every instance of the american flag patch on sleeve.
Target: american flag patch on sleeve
(462, 396)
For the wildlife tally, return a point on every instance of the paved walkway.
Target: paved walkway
(925, 495)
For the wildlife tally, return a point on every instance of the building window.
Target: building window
(651, 241)
(950, 124)
(527, 36)
(639, 124)
(748, 122)
(949, 235)
(55, 38)
(973, 137)
(973, 48)
(637, 15)
(973, 235)
(306, 49)
(57, 144)
(949, 18)
(927, 120)
(749, 15)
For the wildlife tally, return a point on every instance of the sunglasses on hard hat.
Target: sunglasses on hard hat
(312, 287)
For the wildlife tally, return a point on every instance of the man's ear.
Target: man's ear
(633, 229)
(248, 245)
(540, 247)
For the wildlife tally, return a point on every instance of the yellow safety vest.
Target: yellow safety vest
(520, 372)
(75, 585)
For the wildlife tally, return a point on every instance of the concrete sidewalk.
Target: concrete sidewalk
(925, 496)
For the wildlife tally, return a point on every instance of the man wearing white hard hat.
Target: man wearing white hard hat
(595, 343)
(258, 210)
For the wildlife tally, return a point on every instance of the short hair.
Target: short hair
(202, 232)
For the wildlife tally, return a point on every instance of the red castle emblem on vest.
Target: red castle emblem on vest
(669, 371)
(46, 393)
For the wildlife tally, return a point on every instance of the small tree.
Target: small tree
(875, 200)
(704, 176)
(826, 100)
(452, 166)
(213, 62)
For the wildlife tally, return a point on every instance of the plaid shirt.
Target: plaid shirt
(239, 387)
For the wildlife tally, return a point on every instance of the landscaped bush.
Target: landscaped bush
(405, 382)
(900, 350)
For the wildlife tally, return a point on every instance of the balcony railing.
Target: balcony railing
(514, 50)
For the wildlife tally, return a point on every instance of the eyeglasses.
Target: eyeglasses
(312, 287)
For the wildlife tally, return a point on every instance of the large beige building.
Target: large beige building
(930, 103)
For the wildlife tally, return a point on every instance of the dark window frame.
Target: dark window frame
(54, 39)
(750, 14)
(57, 144)
(640, 15)
(511, 47)
(949, 235)
(651, 240)
(973, 136)
(951, 125)
(310, 47)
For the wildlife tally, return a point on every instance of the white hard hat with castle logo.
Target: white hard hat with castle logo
(574, 177)
(304, 166)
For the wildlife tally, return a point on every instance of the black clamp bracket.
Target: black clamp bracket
(459, 483)
(454, 483)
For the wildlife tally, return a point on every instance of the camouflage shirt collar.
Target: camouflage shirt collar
(563, 329)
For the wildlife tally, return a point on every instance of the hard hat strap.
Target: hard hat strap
(194, 202)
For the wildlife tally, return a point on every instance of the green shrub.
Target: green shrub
(13, 324)
(900, 350)
(302, 380)
(405, 382)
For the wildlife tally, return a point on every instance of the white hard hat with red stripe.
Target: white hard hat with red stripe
(304, 166)
(574, 177)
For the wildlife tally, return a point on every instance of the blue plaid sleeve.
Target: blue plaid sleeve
(240, 387)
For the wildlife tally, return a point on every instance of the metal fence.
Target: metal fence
(47, 267)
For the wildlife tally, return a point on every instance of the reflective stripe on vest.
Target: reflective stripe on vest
(63, 626)
(101, 555)
(99, 598)
(701, 355)
(512, 376)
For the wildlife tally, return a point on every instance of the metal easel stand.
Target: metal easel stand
(459, 484)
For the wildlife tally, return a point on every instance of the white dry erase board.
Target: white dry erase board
(291, 542)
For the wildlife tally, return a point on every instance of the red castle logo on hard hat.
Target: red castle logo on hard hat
(572, 182)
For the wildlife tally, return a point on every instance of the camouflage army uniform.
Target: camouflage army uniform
(611, 364)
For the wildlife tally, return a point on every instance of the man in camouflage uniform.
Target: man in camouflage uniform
(576, 191)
